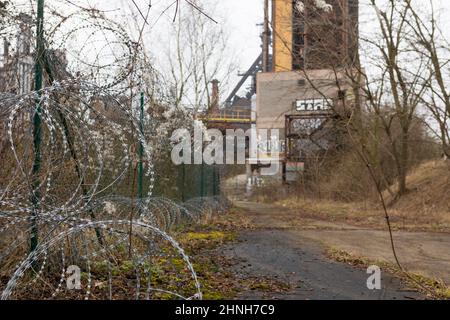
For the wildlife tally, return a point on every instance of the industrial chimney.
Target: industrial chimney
(214, 107)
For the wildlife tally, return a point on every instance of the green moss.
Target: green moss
(178, 263)
(213, 235)
(127, 266)
(261, 286)
(210, 295)
(164, 296)
(84, 276)
(99, 267)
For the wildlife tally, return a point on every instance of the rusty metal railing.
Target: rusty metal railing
(228, 116)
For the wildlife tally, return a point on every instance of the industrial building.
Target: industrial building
(300, 79)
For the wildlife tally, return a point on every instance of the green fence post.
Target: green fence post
(37, 124)
(202, 179)
(183, 183)
(216, 177)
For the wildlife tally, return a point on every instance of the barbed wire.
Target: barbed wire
(88, 147)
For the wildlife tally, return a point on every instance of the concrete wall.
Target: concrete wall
(278, 91)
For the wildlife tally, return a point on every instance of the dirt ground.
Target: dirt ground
(288, 246)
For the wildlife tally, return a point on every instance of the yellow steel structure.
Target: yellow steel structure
(282, 11)
(228, 117)
(229, 120)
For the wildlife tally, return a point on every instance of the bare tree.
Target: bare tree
(197, 53)
(387, 84)
(430, 40)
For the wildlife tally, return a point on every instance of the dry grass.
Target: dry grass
(431, 288)
(425, 208)
(429, 195)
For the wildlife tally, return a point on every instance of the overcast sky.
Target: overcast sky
(242, 16)
(239, 17)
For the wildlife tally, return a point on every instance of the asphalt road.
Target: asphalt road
(279, 251)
